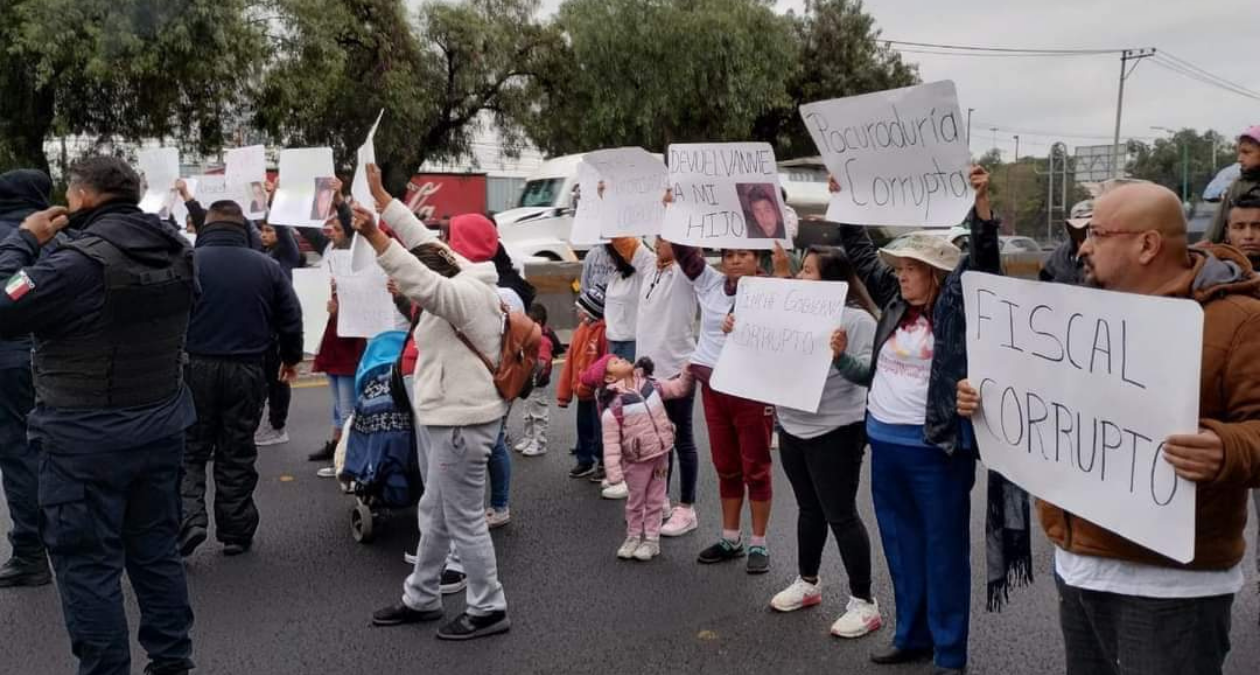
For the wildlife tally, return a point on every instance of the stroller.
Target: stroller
(381, 457)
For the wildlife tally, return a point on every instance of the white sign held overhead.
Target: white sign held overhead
(900, 156)
(179, 210)
(363, 255)
(1077, 400)
(589, 210)
(780, 350)
(246, 176)
(304, 197)
(633, 182)
(726, 195)
(160, 167)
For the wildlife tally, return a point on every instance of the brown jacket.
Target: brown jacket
(1229, 404)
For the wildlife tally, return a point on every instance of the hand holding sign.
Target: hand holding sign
(377, 187)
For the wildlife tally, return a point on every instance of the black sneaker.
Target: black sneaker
(721, 552)
(581, 470)
(453, 582)
(237, 547)
(25, 571)
(893, 655)
(467, 627)
(399, 614)
(758, 560)
(597, 475)
(324, 454)
(190, 539)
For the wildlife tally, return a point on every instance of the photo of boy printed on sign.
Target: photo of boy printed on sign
(763, 215)
(324, 193)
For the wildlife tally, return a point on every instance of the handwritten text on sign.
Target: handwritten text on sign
(634, 181)
(901, 156)
(1078, 399)
(780, 350)
(726, 195)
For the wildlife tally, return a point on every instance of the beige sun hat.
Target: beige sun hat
(1081, 214)
(927, 249)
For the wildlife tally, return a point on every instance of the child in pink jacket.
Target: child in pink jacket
(637, 439)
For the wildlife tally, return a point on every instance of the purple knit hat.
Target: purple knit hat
(594, 374)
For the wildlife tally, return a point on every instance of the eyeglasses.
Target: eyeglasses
(1092, 232)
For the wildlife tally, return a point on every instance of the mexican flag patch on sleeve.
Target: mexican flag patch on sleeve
(18, 285)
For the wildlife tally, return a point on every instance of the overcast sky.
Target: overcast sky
(1074, 98)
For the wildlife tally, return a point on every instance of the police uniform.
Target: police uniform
(109, 311)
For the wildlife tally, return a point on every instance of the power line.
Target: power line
(1054, 134)
(1003, 55)
(1008, 50)
(1212, 81)
(1208, 74)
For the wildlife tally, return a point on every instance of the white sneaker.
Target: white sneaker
(628, 548)
(522, 444)
(860, 618)
(647, 550)
(681, 521)
(618, 491)
(268, 436)
(799, 595)
(327, 472)
(409, 558)
(534, 450)
(498, 518)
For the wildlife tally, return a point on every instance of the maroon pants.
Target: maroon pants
(739, 438)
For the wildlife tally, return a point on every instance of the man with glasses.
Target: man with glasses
(1125, 610)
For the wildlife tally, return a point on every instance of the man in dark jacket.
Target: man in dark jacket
(245, 300)
(1063, 266)
(108, 311)
(22, 193)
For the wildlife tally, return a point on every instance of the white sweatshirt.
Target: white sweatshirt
(667, 317)
(452, 385)
(621, 298)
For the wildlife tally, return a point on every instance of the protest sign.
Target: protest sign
(311, 284)
(179, 210)
(1078, 395)
(780, 350)
(365, 307)
(901, 156)
(726, 195)
(362, 255)
(633, 182)
(246, 172)
(588, 213)
(304, 197)
(160, 167)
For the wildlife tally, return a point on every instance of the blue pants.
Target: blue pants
(104, 512)
(19, 462)
(923, 505)
(623, 348)
(590, 444)
(500, 471)
(342, 389)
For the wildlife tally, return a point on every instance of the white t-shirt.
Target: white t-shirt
(667, 318)
(1107, 575)
(621, 298)
(715, 304)
(899, 389)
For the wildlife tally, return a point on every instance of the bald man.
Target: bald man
(1126, 610)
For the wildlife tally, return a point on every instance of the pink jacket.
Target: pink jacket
(636, 427)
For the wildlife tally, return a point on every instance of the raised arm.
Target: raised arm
(410, 231)
(986, 250)
(880, 279)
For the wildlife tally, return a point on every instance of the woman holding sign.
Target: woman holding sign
(923, 460)
(822, 457)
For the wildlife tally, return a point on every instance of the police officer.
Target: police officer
(108, 310)
(245, 300)
(22, 193)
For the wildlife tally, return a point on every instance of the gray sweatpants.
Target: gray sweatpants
(1255, 496)
(452, 513)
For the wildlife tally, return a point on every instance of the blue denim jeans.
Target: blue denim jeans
(342, 389)
(923, 505)
(590, 447)
(623, 348)
(500, 471)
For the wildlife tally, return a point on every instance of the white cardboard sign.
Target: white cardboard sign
(726, 195)
(589, 213)
(900, 156)
(362, 255)
(364, 306)
(246, 176)
(160, 167)
(304, 197)
(1077, 399)
(780, 350)
(634, 182)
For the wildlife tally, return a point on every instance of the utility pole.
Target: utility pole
(1014, 189)
(1134, 55)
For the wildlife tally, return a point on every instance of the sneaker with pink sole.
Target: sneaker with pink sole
(860, 618)
(799, 595)
(681, 521)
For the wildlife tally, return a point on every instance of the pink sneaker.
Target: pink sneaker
(681, 521)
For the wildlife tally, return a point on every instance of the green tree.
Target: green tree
(840, 55)
(123, 69)
(339, 62)
(1188, 151)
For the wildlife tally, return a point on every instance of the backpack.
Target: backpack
(514, 378)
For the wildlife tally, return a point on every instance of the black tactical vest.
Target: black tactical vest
(134, 354)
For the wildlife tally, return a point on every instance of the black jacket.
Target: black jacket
(245, 300)
(942, 427)
(22, 193)
(1062, 266)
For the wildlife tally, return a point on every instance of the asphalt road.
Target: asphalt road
(300, 602)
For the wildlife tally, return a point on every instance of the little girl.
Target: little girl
(636, 429)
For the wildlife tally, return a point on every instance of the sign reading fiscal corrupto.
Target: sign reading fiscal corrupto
(1079, 389)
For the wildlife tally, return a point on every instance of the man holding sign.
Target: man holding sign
(1124, 608)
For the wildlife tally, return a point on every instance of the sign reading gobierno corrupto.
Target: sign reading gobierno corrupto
(1080, 388)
